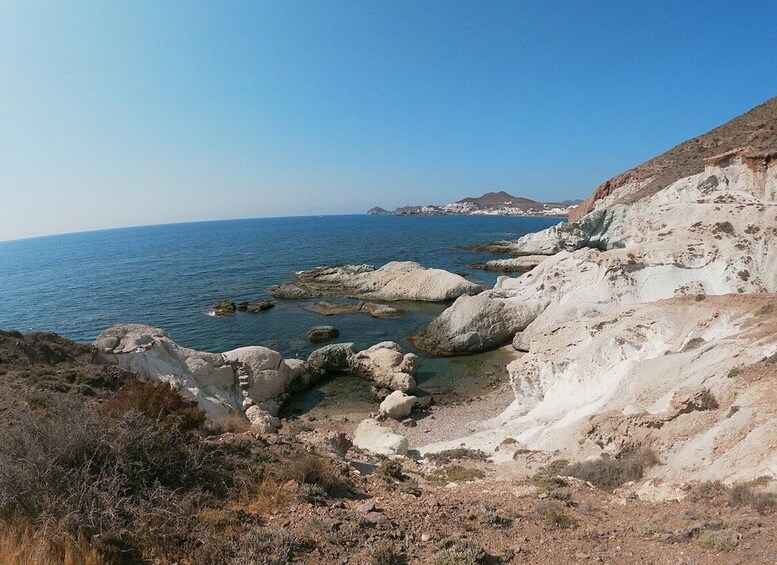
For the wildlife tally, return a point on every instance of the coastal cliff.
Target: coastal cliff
(661, 290)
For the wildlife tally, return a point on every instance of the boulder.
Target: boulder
(323, 333)
(386, 366)
(371, 436)
(397, 405)
(476, 323)
(334, 358)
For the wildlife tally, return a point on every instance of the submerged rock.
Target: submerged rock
(255, 307)
(374, 309)
(398, 280)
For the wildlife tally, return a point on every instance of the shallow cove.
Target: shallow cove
(449, 380)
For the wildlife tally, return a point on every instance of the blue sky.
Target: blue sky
(128, 113)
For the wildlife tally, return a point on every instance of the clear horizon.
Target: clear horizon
(119, 115)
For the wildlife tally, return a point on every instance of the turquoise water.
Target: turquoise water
(168, 276)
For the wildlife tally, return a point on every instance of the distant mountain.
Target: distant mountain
(378, 211)
(490, 204)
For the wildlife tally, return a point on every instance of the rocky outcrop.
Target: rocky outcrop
(652, 324)
(374, 309)
(383, 364)
(322, 333)
(371, 436)
(253, 380)
(394, 281)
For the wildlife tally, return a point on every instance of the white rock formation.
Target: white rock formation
(371, 436)
(650, 330)
(711, 233)
(207, 378)
(680, 375)
(397, 280)
(252, 379)
(397, 405)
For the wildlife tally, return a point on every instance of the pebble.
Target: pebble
(366, 507)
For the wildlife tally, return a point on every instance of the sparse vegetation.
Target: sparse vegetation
(383, 553)
(608, 474)
(718, 540)
(458, 551)
(457, 473)
(557, 519)
(706, 401)
(459, 454)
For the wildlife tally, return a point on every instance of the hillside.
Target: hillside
(756, 128)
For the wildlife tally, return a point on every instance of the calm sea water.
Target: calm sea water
(168, 276)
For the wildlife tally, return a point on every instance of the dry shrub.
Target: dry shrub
(126, 483)
(706, 491)
(383, 553)
(458, 551)
(157, 401)
(232, 423)
(457, 473)
(718, 540)
(744, 494)
(608, 474)
(557, 519)
(312, 469)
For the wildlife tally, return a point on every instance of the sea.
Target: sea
(169, 276)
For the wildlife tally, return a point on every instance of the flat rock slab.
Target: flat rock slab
(397, 280)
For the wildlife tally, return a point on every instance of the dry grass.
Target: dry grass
(24, 546)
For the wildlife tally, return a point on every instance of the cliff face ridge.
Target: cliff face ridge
(756, 128)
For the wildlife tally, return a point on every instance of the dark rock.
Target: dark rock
(323, 333)
(224, 308)
(255, 307)
(334, 358)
